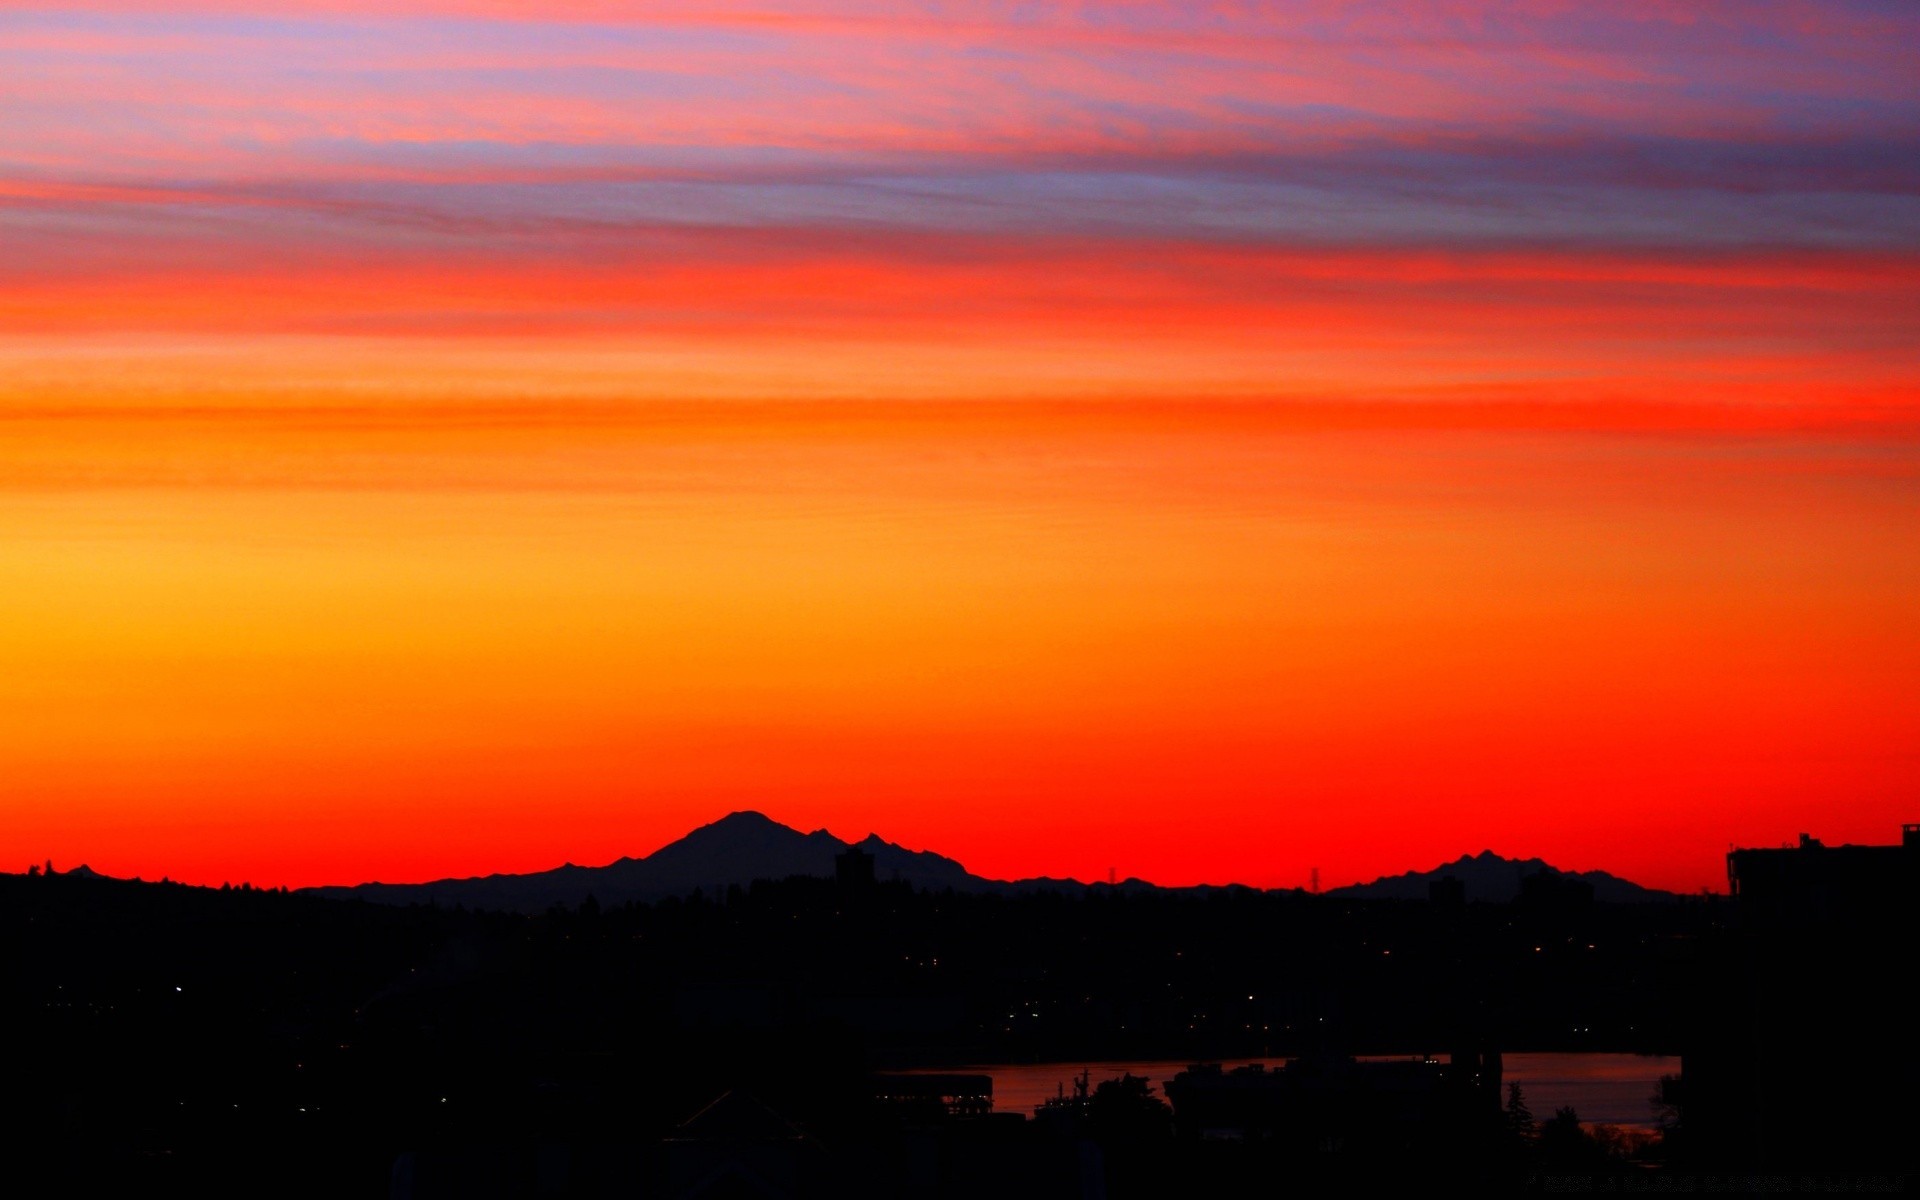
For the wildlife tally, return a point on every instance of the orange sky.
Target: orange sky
(1206, 447)
(1189, 642)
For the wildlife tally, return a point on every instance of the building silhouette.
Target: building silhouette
(739, 1147)
(1802, 1051)
(853, 868)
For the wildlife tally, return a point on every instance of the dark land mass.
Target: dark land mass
(1488, 877)
(747, 846)
(736, 850)
(743, 1040)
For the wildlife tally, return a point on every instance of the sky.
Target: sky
(1207, 442)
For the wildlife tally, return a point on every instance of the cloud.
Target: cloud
(1229, 198)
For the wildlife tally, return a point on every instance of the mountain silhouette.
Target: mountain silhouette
(737, 849)
(746, 846)
(1490, 877)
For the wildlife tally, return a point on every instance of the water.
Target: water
(1606, 1089)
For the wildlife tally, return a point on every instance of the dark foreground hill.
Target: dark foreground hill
(167, 1039)
(216, 1042)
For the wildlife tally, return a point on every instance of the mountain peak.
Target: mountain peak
(739, 848)
(743, 818)
(1493, 877)
(748, 845)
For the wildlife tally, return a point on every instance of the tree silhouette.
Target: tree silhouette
(1520, 1122)
(1565, 1146)
(1126, 1108)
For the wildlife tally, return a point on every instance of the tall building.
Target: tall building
(853, 867)
(1802, 1055)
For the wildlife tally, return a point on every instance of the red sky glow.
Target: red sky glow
(445, 436)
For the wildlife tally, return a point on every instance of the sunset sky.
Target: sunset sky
(1207, 441)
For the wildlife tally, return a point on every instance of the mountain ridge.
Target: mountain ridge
(747, 845)
(738, 849)
(1494, 878)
